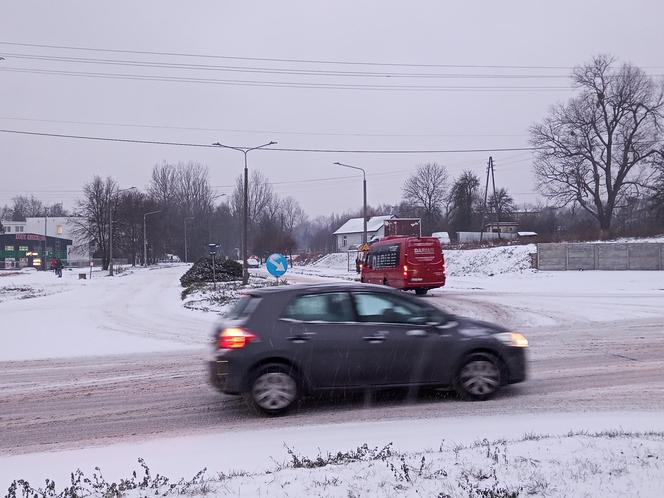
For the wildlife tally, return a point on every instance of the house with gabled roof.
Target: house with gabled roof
(349, 235)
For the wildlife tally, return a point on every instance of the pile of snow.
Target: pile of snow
(336, 260)
(489, 261)
(609, 463)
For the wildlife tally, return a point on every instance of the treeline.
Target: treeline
(181, 214)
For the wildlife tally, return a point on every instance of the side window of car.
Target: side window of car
(330, 307)
(383, 308)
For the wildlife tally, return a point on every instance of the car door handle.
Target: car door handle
(304, 337)
(377, 337)
(417, 333)
(374, 338)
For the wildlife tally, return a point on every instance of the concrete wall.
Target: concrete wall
(570, 256)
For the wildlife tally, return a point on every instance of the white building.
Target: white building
(349, 235)
(61, 227)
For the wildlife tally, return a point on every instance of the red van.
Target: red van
(408, 263)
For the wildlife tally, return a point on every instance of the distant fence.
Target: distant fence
(606, 256)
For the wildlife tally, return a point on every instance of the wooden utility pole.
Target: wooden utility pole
(486, 193)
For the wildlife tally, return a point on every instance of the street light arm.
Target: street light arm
(354, 167)
(243, 149)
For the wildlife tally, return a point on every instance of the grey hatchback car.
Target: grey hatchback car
(278, 344)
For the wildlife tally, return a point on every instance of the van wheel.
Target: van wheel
(479, 377)
(273, 391)
(384, 281)
(421, 292)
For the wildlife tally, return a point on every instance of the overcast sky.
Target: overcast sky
(378, 109)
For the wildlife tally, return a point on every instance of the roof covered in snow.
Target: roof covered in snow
(355, 225)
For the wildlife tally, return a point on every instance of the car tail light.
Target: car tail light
(234, 338)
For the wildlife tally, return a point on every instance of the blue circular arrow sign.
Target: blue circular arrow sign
(276, 265)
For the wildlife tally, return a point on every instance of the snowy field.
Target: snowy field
(604, 440)
(137, 311)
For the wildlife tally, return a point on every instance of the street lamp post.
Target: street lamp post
(245, 218)
(110, 229)
(364, 186)
(145, 240)
(186, 254)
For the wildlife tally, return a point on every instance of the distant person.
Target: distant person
(56, 265)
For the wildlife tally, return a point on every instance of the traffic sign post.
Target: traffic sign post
(276, 265)
(212, 248)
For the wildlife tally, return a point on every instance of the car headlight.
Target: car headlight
(513, 339)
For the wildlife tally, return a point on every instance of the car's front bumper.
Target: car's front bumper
(516, 364)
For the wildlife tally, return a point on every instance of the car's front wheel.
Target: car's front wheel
(479, 377)
(274, 390)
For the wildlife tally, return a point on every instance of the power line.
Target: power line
(278, 70)
(275, 132)
(276, 149)
(272, 59)
(289, 60)
(286, 84)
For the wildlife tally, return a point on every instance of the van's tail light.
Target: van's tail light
(234, 338)
(405, 270)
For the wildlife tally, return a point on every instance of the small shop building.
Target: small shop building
(21, 250)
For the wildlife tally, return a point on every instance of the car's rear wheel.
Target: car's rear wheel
(479, 377)
(274, 390)
(421, 291)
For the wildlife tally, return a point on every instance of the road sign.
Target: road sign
(276, 265)
(364, 247)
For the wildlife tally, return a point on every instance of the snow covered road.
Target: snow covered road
(605, 352)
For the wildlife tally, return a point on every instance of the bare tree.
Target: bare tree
(93, 208)
(464, 201)
(293, 215)
(25, 207)
(597, 149)
(503, 203)
(427, 188)
(261, 196)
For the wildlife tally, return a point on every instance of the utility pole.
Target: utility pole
(45, 237)
(245, 205)
(486, 193)
(490, 171)
(145, 236)
(495, 197)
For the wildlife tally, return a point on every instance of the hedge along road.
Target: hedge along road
(69, 402)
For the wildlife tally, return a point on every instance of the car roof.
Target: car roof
(317, 287)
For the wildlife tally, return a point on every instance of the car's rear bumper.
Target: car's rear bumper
(221, 377)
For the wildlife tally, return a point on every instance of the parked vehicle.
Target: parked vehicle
(407, 263)
(281, 343)
(411, 227)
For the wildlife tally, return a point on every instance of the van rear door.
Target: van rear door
(424, 258)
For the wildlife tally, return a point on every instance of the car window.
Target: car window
(329, 307)
(243, 307)
(383, 308)
(384, 256)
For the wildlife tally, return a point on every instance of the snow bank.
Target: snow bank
(489, 261)
(574, 454)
